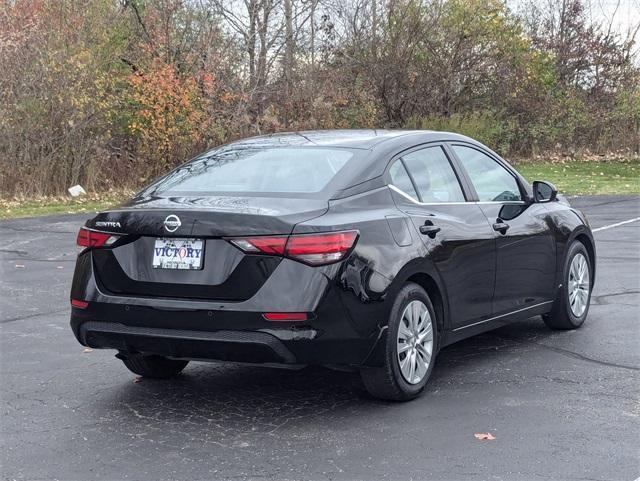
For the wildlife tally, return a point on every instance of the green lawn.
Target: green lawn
(571, 177)
(586, 177)
(32, 208)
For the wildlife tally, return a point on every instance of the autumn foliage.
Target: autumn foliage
(166, 113)
(109, 93)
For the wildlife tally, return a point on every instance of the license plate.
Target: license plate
(175, 253)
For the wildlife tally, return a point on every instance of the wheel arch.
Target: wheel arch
(432, 289)
(421, 272)
(584, 236)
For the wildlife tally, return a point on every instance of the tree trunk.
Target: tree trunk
(251, 41)
(288, 57)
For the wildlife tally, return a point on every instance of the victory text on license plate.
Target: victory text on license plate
(178, 253)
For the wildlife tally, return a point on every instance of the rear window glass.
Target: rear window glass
(248, 169)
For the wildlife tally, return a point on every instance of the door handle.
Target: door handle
(429, 229)
(501, 227)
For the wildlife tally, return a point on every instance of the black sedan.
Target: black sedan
(366, 250)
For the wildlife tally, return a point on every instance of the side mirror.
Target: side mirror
(544, 191)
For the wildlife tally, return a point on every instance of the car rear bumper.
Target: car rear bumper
(341, 328)
(224, 336)
(243, 346)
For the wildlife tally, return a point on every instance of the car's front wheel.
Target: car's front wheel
(572, 304)
(410, 348)
(153, 366)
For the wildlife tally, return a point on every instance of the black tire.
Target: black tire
(156, 367)
(387, 382)
(561, 316)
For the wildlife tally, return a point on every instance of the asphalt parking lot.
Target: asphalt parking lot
(561, 405)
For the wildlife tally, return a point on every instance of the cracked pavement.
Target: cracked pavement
(562, 405)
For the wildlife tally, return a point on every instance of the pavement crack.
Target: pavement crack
(32, 259)
(36, 314)
(18, 229)
(14, 251)
(575, 355)
(609, 202)
(602, 298)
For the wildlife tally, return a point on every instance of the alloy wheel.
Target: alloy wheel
(415, 342)
(578, 285)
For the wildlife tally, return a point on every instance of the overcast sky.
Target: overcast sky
(624, 13)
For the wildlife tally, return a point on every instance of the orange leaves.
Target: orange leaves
(167, 110)
(208, 82)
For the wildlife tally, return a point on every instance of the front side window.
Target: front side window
(493, 183)
(256, 170)
(433, 175)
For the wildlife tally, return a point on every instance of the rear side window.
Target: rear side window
(257, 170)
(493, 183)
(401, 179)
(434, 177)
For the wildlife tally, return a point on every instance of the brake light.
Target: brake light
(313, 249)
(90, 238)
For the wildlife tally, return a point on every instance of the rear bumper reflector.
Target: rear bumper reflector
(285, 316)
(79, 304)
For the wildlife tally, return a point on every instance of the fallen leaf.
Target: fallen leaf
(485, 436)
(137, 379)
(88, 349)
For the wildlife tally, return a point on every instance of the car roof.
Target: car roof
(377, 146)
(357, 138)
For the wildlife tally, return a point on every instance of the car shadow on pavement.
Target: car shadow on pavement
(230, 406)
(498, 354)
(233, 397)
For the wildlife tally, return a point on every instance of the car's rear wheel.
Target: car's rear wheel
(153, 366)
(572, 305)
(410, 348)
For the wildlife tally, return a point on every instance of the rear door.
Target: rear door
(455, 232)
(526, 249)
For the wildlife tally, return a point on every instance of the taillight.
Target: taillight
(89, 238)
(262, 245)
(318, 249)
(313, 249)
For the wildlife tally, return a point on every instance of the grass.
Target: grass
(572, 177)
(576, 177)
(14, 208)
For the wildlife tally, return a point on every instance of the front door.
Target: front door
(525, 247)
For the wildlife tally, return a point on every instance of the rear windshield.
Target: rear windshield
(256, 170)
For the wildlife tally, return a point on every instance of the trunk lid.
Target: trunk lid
(210, 216)
(227, 273)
